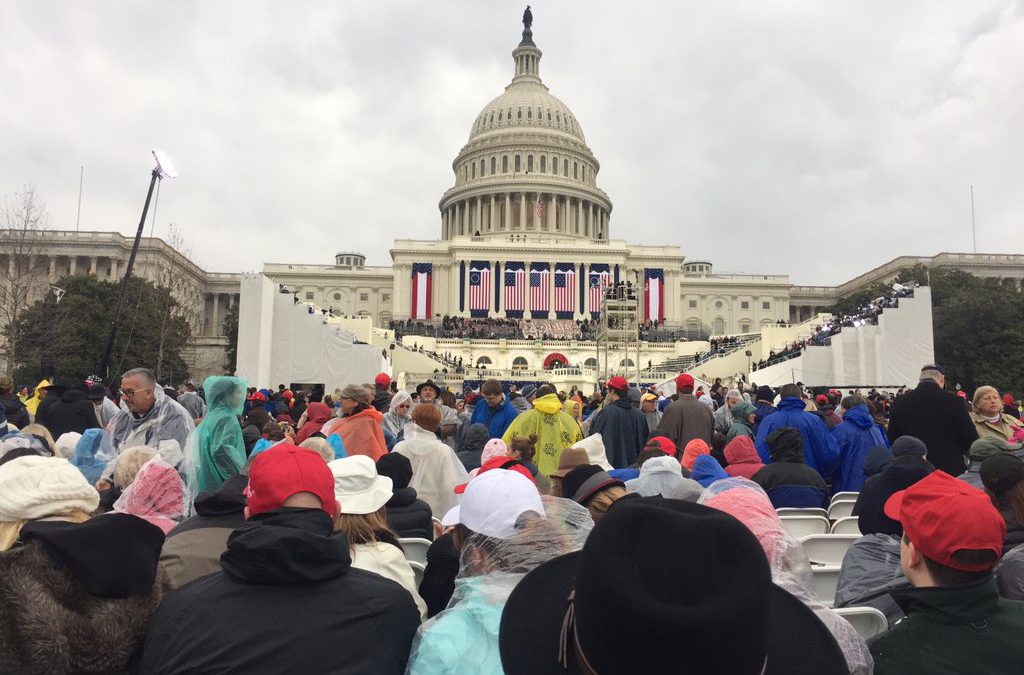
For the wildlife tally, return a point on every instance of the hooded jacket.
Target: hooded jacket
(742, 457)
(787, 480)
(317, 415)
(706, 470)
(684, 420)
(409, 516)
(436, 470)
(624, 431)
(855, 436)
(740, 427)
(469, 442)
(73, 411)
(959, 629)
(554, 428)
(497, 419)
(906, 468)
(17, 413)
(381, 399)
(219, 447)
(300, 607)
(821, 452)
(76, 598)
(940, 420)
(193, 548)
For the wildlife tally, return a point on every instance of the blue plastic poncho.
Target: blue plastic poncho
(338, 446)
(92, 454)
(706, 470)
(219, 451)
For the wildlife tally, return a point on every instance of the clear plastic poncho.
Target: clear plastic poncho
(217, 451)
(393, 422)
(663, 476)
(463, 639)
(747, 502)
(17, 441)
(167, 428)
(157, 495)
(436, 469)
(92, 454)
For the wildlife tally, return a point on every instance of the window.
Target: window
(575, 170)
(626, 363)
(554, 165)
(719, 326)
(474, 169)
(494, 165)
(337, 296)
(543, 164)
(744, 326)
(481, 168)
(529, 114)
(385, 297)
(590, 363)
(483, 361)
(718, 305)
(565, 168)
(549, 116)
(504, 164)
(693, 304)
(364, 297)
(766, 305)
(309, 295)
(744, 304)
(529, 163)
(519, 114)
(519, 363)
(558, 119)
(492, 120)
(519, 166)
(499, 115)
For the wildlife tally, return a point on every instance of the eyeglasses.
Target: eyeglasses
(130, 393)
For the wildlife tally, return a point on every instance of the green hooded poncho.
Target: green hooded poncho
(219, 448)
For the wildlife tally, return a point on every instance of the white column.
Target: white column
(92, 265)
(479, 216)
(507, 219)
(549, 215)
(72, 265)
(458, 219)
(579, 216)
(490, 221)
(522, 210)
(115, 271)
(51, 270)
(215, 328)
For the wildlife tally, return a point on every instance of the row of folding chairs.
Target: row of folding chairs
(801, 526)
(835, 511)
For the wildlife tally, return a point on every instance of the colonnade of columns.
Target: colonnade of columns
(518, 212)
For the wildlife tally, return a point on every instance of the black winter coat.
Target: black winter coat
(17, 413)
(381, 400)
(73, 412)
(408, 516)
(298, 606)
(624, 431)
(438, 583)
(940, 420)
(787, 466)
(899, 475)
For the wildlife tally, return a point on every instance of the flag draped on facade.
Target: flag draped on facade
(565, 290)
(654, 294)
(515, 289)
(599, 279)
(540, 290)
(422, 277)
(479, 288)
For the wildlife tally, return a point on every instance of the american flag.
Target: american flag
(540, 287)
(600, 279)
(515, 287)
(540, 209)
(565, 285)
(479, 287)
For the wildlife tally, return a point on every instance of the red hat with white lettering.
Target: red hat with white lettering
(285, 470)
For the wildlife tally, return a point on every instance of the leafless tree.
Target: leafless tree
(23, 265)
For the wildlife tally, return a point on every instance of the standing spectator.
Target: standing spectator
(855, 436)
(382, 392)
(821, 452)
(907, 467)
(788, 481)
(219, 451)
(1009, 406)
(764, 399)
(71, 412)
(106, 411)
(723, 416)
(47, 393)
(436, 470)
(649, 407)
(152, 418)
(429, 392)
(17, 413)
(398, 415)
(742, 458)
(360, 426)
(191, 401)
(290, 507)
(956, 622)
(685, 418)
(743, 416)
(988, 416)
(317, 415)
(494, 411)
(623, 428)
(554, 429)
(937, 418)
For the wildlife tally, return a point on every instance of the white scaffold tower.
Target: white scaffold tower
(618, 334)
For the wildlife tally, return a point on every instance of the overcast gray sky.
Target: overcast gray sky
(817, 139)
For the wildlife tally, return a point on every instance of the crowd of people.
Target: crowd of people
(866, 314)
(227, 527)
(457, 327)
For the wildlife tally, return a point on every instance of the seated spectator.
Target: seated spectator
(956, 622)
(742, 458)
(406, 515)
(870, 573)
(567, 461)
(694, 449)
(625, 584)
(157, 495)
(593, 488)
(706, 470)
(123, 473)
(594, 447)
(663, 476)
(92, 454)
(373, 545)
(503, 530)
(908, 466)
(524, 449)
(469, 444)
(982, 449)
(438, 583)
(855, 436)
(65, 444)
(322, 447)
(662, 444)
(317, 414)
(787, 480)
(791, 569)
(1003, 478)
(360, 424)
(436, 470)
(76, 594)
(290, 506)
(1010, 574)
(877, 459)
(493, 448)
(193, 548)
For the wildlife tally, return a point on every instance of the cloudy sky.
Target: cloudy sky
(817, 139)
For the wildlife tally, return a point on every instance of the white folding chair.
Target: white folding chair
(839, 510)
(417, 570)
(826, 577)
(827, 549)
(802, 526)
(844, 497)
(415, 548)
(848, 525)
(867, 621)
(792, 511)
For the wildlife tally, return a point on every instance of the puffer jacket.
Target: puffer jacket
(409, 516)
(787, 480)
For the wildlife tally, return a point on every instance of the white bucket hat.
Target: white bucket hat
(357, 486)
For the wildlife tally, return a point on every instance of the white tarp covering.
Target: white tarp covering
(889, 354)
(281, 342)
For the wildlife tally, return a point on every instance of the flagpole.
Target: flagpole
(974, 231)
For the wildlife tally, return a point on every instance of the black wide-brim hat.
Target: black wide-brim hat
(797, 642)
(428, 383)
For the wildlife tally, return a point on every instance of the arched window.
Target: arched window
(692, 325)
(590, 363)
(744, 326)
(626, 363)
(543, 164)
(519, 164)
(575, 170)
(558, 118)
(554, 165)
(483, 361)
(549, 117)
(519, 363)
(494, 164)
(529, 163)
(504, 164)
(565, 168)
(499, 115)
(519, 114)
(491, 122)
(718, 328)
(473, 168)
(481, 168)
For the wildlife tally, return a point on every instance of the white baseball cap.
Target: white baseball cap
(494, 501)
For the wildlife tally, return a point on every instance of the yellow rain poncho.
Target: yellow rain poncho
(554, 428)
(33, 401)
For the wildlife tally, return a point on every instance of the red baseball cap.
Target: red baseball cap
(684, 380)
(618, 383)
(821, 399)
(942, 515)
(258, 396)
(661, 443)
(285, 470)
(382, 380)
(499, 462)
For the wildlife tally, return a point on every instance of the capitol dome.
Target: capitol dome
(526, 168)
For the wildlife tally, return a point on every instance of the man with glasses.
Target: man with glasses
(148, 417)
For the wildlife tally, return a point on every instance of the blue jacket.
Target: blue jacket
(856, 435)
(706, 470)
(821, 452)
(497, 419)
(763, 410)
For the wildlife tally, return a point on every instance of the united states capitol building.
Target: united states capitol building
(525, 232)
